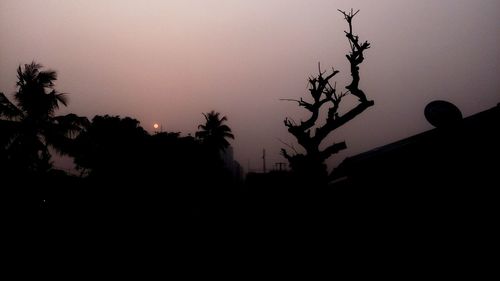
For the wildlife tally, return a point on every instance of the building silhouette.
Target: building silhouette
(435, 190)
(465, 152)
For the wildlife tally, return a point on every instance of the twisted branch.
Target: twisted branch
(322, 92)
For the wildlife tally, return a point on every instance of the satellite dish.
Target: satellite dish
(442, 113)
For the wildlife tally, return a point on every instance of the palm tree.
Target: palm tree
(30, 126)
(214, 133)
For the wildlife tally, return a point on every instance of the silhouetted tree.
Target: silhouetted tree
(111, 147)
(214, 133)
(30, 126)
(311, 165)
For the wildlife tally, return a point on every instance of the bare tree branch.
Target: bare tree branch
(333, 149)
(317, 87)
(286, 155)
(322, 92)
(289, 145)
(301, 102)
(323, 131)
(355, 58)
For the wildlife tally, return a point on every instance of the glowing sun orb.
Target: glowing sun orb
(155, 125)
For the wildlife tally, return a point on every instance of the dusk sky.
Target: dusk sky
(168, 61)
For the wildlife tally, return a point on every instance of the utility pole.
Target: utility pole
(279, 165)
(264, 160)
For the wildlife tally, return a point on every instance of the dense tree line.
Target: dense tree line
(119, 164)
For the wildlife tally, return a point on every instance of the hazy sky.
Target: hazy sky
(168, 61)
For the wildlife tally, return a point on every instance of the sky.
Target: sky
(167, 62)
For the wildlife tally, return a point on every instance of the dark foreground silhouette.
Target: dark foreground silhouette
(430, 195)
(431, 192)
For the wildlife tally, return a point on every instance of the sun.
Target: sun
(155, 125)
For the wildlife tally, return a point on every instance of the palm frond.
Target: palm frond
(47, 78)
(8, 131)
(8, 109)
(71, 124)
(229, 135)
(224, 128)
(62, 98)
(54, 98)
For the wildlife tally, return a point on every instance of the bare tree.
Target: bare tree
(311, 164)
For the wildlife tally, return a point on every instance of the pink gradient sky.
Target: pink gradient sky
(169, 61)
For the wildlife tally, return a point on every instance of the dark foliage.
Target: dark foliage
(29, 127)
